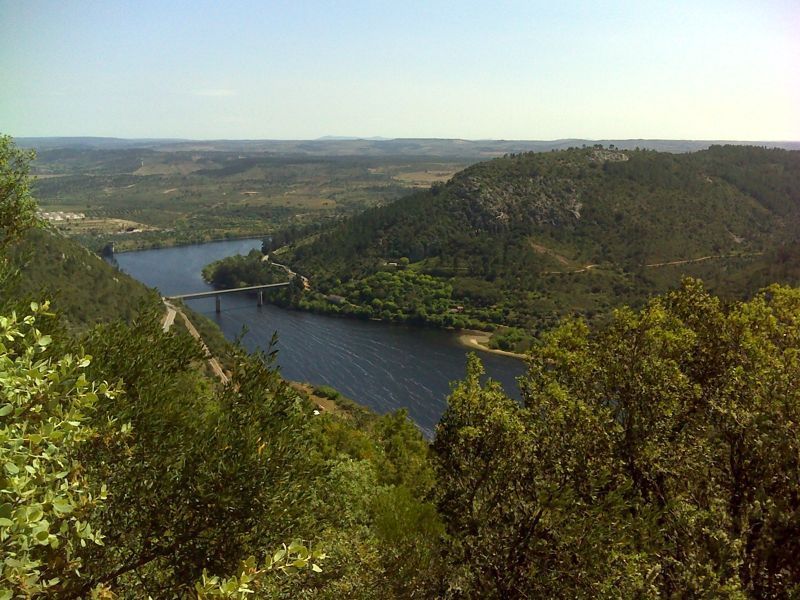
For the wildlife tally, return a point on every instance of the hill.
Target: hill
(525, 239)
(151, 193)
(83, 288)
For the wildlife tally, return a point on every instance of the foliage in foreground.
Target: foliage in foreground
(17, 207)
(164, 483)
(46, 499)
(656, 457)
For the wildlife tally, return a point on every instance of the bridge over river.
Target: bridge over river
(218, 293)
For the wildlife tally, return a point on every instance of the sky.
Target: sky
(302, 69)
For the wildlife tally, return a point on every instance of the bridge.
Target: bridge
(217, 293)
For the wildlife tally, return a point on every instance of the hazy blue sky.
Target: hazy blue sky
(490, 69)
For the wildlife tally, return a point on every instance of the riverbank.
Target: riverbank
(381, 366)
(121, 247)
(479, 340)
(470, 338)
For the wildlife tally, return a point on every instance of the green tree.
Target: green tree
(656, 456)
(211, 475)
(17, 208)
(46, 498)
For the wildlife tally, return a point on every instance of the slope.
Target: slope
(526, 238)
(83, 288)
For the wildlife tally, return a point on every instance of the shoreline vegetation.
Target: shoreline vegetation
(388, 297)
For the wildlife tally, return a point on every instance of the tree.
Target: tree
(46, 499)
(211, 474)
(17, 208)
(656, 456)
(529, 497)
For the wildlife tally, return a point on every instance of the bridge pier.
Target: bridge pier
(259, 289)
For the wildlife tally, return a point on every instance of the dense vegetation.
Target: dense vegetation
(526, 239)
(240, 271)
(180, 475)
(81, 286)
(391, 294)
(402, 296)
(655, 455)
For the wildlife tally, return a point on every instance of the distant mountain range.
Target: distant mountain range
(377, 146)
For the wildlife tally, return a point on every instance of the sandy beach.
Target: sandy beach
(479, 340)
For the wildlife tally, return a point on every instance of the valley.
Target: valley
(399, 300)
(145, 197)
(384, 367)
(205, 438)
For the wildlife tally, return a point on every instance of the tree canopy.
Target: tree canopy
(656, 456)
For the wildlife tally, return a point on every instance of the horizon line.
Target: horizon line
(330, 138)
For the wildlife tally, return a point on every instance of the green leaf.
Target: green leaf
(6, 409)
(45, 340)
(42, 536)
(62, 506)
(35, 513)
(12, 468)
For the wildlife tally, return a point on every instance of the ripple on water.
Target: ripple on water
(380, 365)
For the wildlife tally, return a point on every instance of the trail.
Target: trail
(701, 259)
(684, 261)
(581, 270)
(169, 318)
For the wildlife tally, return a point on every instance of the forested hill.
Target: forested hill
(580, 229)
(82, 287)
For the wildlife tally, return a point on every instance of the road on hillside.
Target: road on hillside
(169, 319)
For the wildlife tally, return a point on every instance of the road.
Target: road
(169, 319)
(701, 259)
(289, 272)
(581, 270)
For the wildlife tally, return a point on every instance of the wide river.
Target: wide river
(382, 366)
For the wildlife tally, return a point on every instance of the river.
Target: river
(380, 365)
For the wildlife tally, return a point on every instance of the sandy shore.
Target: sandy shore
(479, 340)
